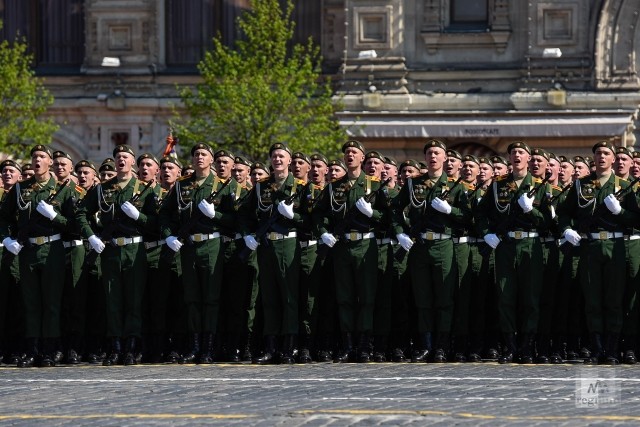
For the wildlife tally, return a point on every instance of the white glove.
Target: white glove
(553, 211)
(96, 243)
(174, 243)
(441, 205)
(492, 240)
(286, 210)
(130, 210)
(612, 204)
(207, 208)
(364, 207)
(405, 241)
(526, 203)
(328, 239)
(46, 210)
(572, 236)
(251, 242)
(12, 245)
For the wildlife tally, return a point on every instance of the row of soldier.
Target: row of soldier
(362, 259)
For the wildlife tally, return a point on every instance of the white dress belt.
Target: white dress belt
(41, 240)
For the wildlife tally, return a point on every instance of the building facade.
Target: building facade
(477, 73)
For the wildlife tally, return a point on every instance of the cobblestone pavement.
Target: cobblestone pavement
(320, 394)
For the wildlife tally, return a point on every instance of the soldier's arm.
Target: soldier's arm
(321, 212)
(8, 213)
(247, 213)
(167, 209)
(148, 218)
(628, 216)
(460, 208)
(567, 209)
(87, 207)
(398, 205)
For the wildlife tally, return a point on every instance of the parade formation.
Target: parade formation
(453, 258)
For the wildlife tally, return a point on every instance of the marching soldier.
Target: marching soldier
(593, 217)
(390, 170)
(11, 311)
(300, 166)
(278, 253)
(355, 253)
(500, 166)
(242, 171)
(37, 205)
(508, 217)
(122, 254)
(202, 252)
(436, 205)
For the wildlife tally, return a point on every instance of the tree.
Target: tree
(23, 100)
(262, 91)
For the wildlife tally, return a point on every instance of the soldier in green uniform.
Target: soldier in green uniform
(11, 311)
(107, 169)
(37, 233)
(593, 216)
(436, 205)
(312, 271)
(122, 253)
(73, 315)
(202, 253)
(355, 251)
(509, 219)
(278, 252)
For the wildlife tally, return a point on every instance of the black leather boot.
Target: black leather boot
(208, 348)
(380, 348)
(596, 350)
(461, 345)
(346, 352)
(629, 357)
(194, 350)
(288, 344)
(542, 349)
(611, 349)
(422, 353)
(269, 353)
(526, 349)
(304, 353)
(442, 348)
(130, 351)
(475, 349)
(509, 348)
(246, 350)
(115, 357)
(47, 353)
(75, 346)
(31, 353)
(364, 348)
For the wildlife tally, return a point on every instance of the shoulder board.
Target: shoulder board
(555, 187)
(468, 186)
(264, 180)
(182, 178)
(624, 181)
(537, 180)
(299, 182)
(449, 179)
(80, 190)
(372, 178)
(501, 177)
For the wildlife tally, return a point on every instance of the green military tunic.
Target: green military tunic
(124, 260)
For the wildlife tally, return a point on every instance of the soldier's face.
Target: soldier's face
(373, 167)
(519, 159)
(353, 157)
(623, 164)
(170, 172)
(27, 174)
(485, 172)
(635, 169)
(202, 159)
(258, 175)
(603, 158)
(280, 160)
(40, 162)
(124, 162)
(453, 166)
(500, 169)
(62, 167)
(147, 170)
(581, 170)
(10, 176)
(409, 172)
(241, 173)
(300, 169)
(565, 175)
(336, 172)
(319, 171)
(224, 166)
(389, 171)
(470, 171)
(538, 166)
(435, 158)
(554, 168)
(86, 177)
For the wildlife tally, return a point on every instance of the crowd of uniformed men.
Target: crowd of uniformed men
(532, 258)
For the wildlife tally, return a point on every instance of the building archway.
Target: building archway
(472, 147)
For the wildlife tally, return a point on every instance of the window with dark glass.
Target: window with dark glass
(53, 29)
(469, 15)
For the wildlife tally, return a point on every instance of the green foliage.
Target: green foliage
(23, 99)
(262, 91)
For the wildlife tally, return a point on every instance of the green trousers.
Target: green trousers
(75, 291)
(311, 277)
(462, 292)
